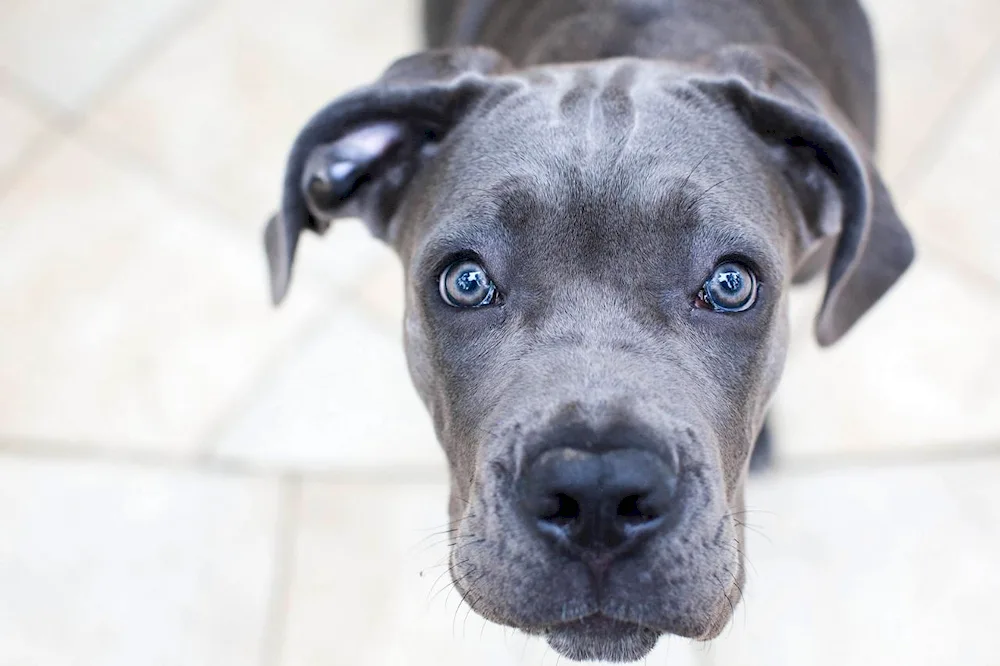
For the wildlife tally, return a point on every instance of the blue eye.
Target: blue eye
(731, 288)
(465, 284)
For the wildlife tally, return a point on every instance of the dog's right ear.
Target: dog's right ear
(356, 157)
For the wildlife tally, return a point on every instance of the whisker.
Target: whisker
(746, 558)
(439, 533)
(465, 595)
(746, 511)
(454, 586)
(449, 524)
(465, 622)
(691, 173)
(440, 576)
(705, 193)
(454, 547)
(450, 541)
(732, 609)
(742, 597)
(755, 529)
(451, 586)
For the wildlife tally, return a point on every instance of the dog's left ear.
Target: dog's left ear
(840, 194)
(356, 157)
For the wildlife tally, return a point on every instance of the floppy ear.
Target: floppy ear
(830, 172)
(356, 157)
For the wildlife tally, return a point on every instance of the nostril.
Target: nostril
(563, 510)
(628, 508)
(633, 510)
(598, 501)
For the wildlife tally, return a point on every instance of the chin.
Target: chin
(599, 638)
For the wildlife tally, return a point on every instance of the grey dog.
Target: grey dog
(601, 206)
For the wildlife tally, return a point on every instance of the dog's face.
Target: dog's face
(597, 261)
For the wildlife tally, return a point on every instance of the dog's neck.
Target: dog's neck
(823, 34)
(532, 32)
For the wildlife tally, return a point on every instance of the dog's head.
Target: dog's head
(597, 260)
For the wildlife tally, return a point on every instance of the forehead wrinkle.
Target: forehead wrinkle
(710, 230)
(615, 103)
(733, 213)
(478, 215)
(575, 101)
(534, 149)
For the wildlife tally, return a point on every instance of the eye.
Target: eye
(732, 287)
(465, 284)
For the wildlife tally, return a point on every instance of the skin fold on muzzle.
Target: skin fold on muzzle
(598, 253)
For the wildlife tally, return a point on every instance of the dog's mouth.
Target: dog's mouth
(600, 638)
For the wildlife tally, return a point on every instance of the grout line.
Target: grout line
(37, 150)
(67, 119)
(942, 129)
(222, 219)
(22, 90)
(123, 156)
(66, 122)
(270, 368)
(61, 125)
(949, 256)
(404, 474)
(431, 473)
(344, 295)
(53, 119)
(282, 572)
(132, 63)
(25, 447)
(854, 460)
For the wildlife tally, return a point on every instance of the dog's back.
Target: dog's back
(831, 37)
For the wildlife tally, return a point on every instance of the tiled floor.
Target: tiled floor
(187, 477)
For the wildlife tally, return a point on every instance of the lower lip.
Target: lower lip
(601, 638)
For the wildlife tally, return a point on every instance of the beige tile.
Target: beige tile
(954, 203)
(917, 372)
(342, 400)
(19, 128)
(129, 318)
(877, 566)
(367, 592)
(352, 262)
(106, 565)
(927, 52)
(380, 292)
(68, 50)
(217, 110)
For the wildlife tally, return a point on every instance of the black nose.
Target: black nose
(599, 502)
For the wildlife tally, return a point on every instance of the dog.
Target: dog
(601, 207)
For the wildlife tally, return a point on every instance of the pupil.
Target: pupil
(469, 281)
(731, 280)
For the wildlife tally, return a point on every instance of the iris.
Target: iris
(465, 284)
(731, 288)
